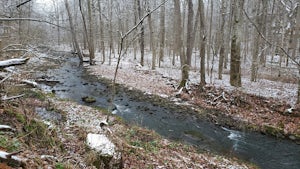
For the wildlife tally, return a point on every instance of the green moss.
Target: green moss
(274, 131)
(35, 94)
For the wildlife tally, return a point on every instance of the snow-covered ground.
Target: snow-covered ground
(160, 80)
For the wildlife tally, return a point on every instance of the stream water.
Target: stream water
(172, 121)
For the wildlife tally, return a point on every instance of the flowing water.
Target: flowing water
(170, 120)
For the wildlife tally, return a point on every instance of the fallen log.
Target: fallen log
(13, 62)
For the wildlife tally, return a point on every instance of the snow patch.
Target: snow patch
(101, 144)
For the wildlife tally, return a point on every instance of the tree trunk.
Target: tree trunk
(222, 48)
(256, 44)
(102, 46)
(91, 34)
(202, 44)
(152, 42)
(189, 38)
(162, 34)
(73, 32)
(235, 61)
(142, 40)
(111, 40)
(209, 34)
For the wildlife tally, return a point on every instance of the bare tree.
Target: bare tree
(202, 44)
(142, 33)
(221, 39)
(235, 60)
(101, 26)
(256, 43)
(73, 32)
(152, 42)
(162, 34)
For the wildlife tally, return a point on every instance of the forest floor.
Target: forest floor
(265, 106)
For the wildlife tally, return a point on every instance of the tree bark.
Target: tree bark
(162, 35)
(256, 44)
(235, 61)
(142, 40)
(152, 41)
(202, 44)
(222, 48)
(102, 46)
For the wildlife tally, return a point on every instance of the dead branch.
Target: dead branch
(4, 98)
(23, 3)
(29, 82)
(269, 43)
(6, 127)
(32, 19)
(13, 62)
(7, 77)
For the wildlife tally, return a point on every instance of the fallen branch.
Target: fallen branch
(7, 77)
(4, 98)
(13, 62)
(31, 83)
(6, 127)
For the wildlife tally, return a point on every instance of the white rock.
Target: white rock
(101, 144)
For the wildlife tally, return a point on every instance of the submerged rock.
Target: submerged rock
(107, 156)
(88, 99)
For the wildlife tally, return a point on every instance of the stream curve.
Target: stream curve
(173, 121)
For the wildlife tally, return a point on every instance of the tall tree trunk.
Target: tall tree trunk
(162, 34)
(222, 48)
(189, 38)
(264, 24)
(91, 34)
(142, 40)
(229, 31)
(102, 46)
(256, 44)
(202, 44)
(235, 61)
(111, 40)
(209, 34)
(73, 32)
(153, 46)
(298, 37)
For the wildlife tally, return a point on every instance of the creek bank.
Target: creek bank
(234, 109)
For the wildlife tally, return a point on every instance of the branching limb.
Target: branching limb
(268, 42)
(32, 19)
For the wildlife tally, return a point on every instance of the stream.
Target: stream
(169, 120)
